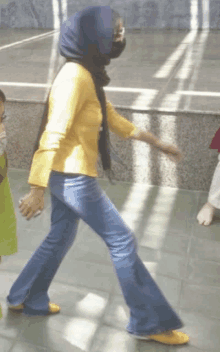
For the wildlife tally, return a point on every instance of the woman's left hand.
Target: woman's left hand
(32, 203)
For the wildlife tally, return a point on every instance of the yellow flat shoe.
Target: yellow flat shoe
(53, 308)
(172, 337)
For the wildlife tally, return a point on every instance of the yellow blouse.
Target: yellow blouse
(70, 140)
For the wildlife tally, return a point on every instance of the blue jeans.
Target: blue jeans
(78, 196)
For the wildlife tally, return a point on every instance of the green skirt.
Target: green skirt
(8, 237)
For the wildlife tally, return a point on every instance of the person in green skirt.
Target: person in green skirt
(8, 237)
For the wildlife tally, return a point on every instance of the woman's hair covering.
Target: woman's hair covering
(91, 26)
(86, 38)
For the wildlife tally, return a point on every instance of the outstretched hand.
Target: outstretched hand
(172, 152)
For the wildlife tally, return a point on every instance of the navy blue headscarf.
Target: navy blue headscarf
(87, 38)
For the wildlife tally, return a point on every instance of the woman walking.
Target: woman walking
(73, 130)
(8, 238)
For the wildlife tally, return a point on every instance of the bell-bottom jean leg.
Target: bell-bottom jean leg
(150, 313)
(31, 287)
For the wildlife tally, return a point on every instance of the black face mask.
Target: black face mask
(117, 49)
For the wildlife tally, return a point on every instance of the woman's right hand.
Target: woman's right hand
(31, 203)
(171, 151)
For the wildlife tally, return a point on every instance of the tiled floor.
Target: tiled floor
(182, 256)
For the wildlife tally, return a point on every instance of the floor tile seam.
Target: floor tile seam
(154, 186)
(171, 232)
(198, 195)
(42, 348)
(192, 226)
(192, 283)
(166, 251)
(12, 340)
(82, 315)
(109, 325)
(176, 278)
(9, 271)
(105, 250)
(202, 315)
(197, 349)
(185, 278)
(2, 271)
(199, 314)
(100, 323)
(209, 261)
(97, 332)
(181, 292)
(57, 281)
(12, 347)
(200, 286)
(17, 338)
(188, 256)
(74, 286)
(86, 227)
(76, 260)
(99, 262)
(166, 276)
(110, 294)
(26, 325)
(33, 230)
(92, 262)
(205, 239)
(101, 319)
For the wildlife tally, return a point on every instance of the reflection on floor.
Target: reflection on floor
(182, 256)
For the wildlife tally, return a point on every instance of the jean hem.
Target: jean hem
(157, 331)
(28, 312)
(17, 303)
